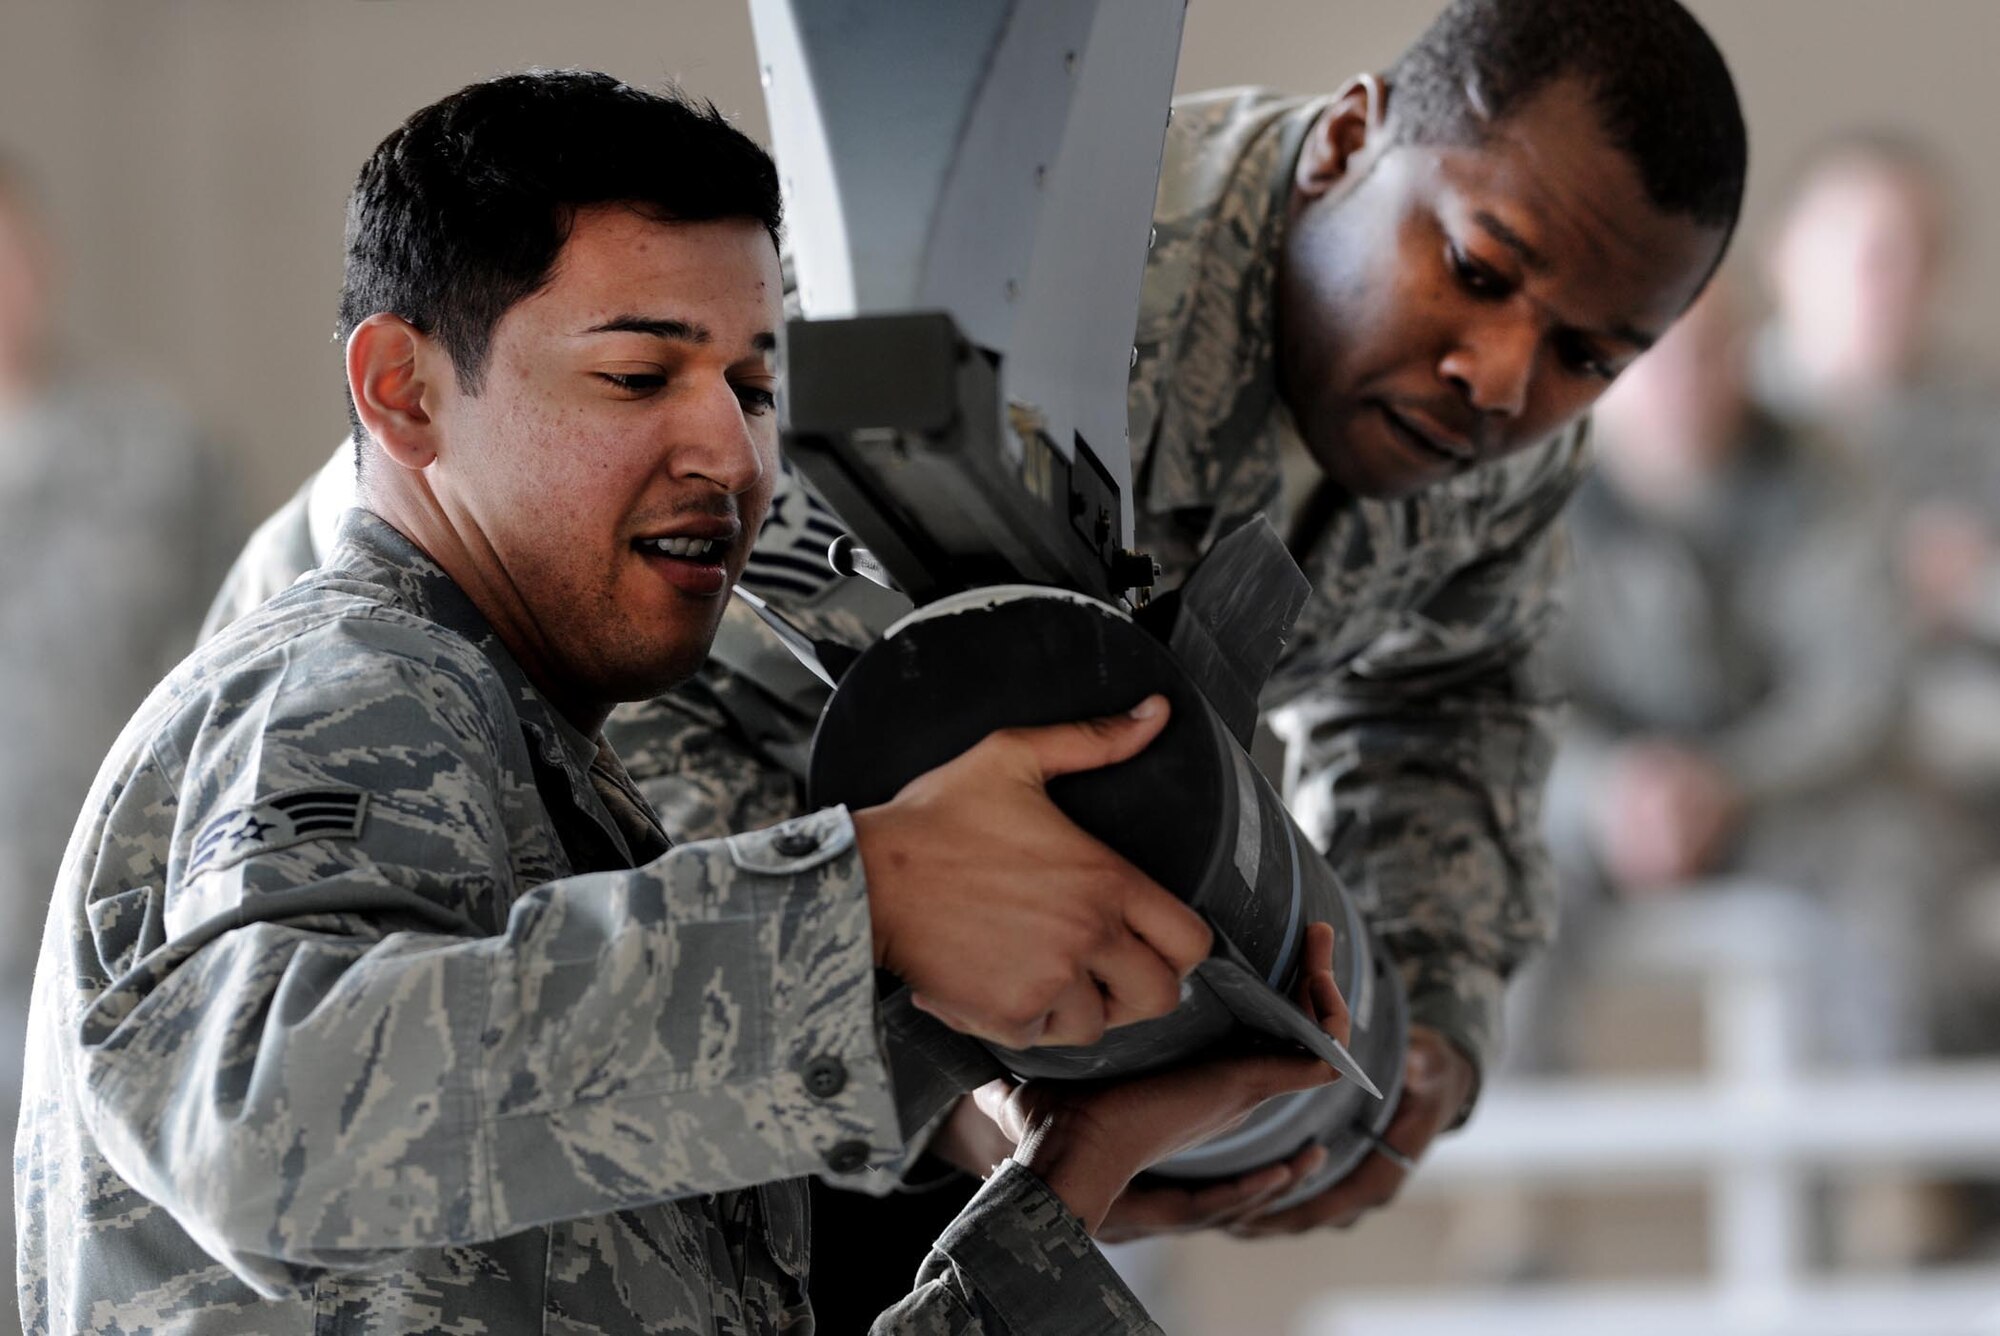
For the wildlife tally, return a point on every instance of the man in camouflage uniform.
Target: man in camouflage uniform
(373, 997)
(1379, 318)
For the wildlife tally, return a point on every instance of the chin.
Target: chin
(1355, 470)
(646, 675)
(1393, 485)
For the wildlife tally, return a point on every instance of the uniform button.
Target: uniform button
(847, 1157)
(795, 843)
(825, 1077)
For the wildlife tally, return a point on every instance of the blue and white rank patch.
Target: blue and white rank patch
(278, 822)
(788, 561)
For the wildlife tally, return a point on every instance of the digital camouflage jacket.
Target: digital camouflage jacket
(372, 1000)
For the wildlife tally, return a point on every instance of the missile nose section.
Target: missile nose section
(1191, 811)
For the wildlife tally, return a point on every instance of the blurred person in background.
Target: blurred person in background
(1735, 654)
(1856, 270)
(114, 526)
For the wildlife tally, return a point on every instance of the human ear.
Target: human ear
(392, 368)
(1341, 135)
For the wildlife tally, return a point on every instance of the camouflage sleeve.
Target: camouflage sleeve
(700, 755)
(1015, 1261)
(1422, 764)
(320, 1051)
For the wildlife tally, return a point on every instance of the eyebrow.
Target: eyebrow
(1635, 336)
(1513, 240)
(680, 331)
(659, 327)
(1536, 261)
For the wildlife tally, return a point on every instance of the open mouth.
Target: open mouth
(690, 564)
(703, 550)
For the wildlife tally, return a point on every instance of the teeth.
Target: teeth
(681, 547)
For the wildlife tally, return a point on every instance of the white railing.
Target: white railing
(1757, 1128)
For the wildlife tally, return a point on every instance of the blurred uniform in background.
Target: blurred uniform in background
(115, 522)
(1736, 654)
(1856, 269)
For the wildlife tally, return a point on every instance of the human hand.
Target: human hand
(1145, 1210)
(973, 1142)
(1007, 920)
(1088, 1140)
(1437, 1080)
(1665, 815)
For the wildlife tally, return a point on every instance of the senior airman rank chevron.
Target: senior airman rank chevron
(277, 822)
(788, 562)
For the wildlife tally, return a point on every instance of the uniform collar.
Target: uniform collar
(369, 548)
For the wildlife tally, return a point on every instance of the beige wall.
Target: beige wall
(195, 153)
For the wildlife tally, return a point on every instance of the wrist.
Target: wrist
(971, 1141)
(1081, 1180)
(870, 842)
(1441, 1063)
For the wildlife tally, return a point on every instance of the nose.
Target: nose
(1493, 366)
(720, 441)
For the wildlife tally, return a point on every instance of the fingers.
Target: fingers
(1226, 1203)
(1146, 1211)
(1177, 933)
(1318, 994)
(1267, 1075)
(1317, 964)
(1076, 1017)
(1160, 1209)
(971, 1140)
(995, 1099)
(1334, 1017)
(1137, 982)
(1062, 749)
(1373, 1184)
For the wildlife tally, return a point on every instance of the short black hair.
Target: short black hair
(1662, 90)
(461, 212)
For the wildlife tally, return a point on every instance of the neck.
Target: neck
(409, 504)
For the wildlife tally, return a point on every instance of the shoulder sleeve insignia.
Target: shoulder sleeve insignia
(277, 822)
(788, 560)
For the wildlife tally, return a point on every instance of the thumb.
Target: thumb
(1089, 744)
(996, 1100)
